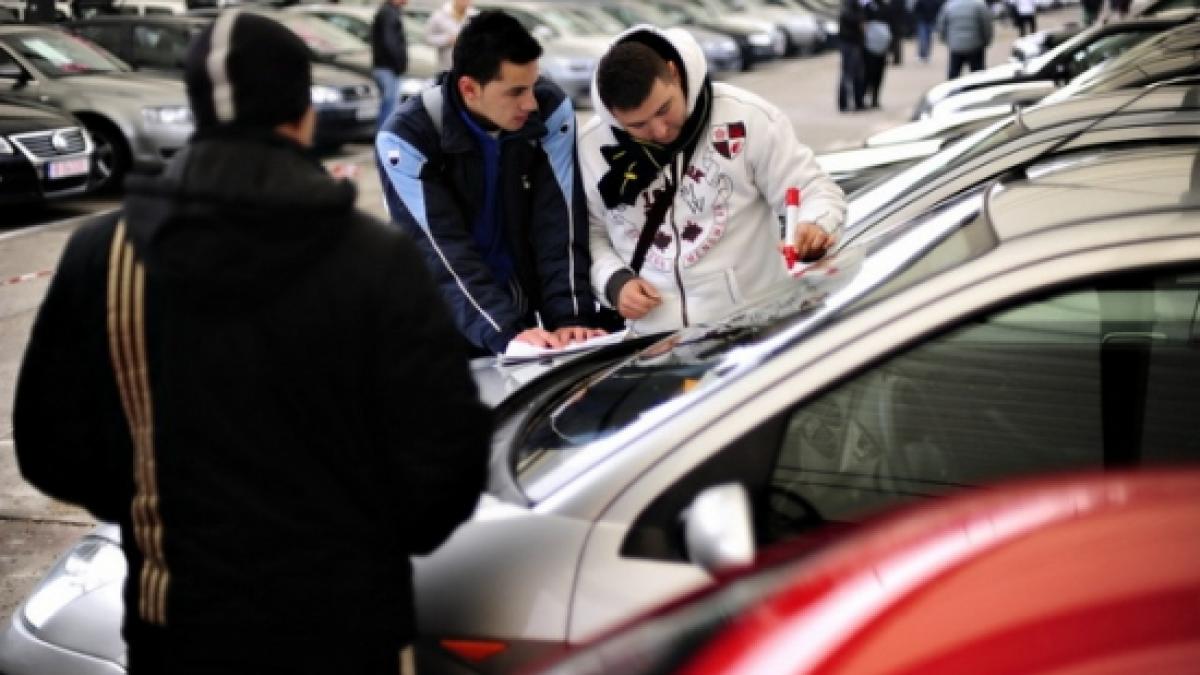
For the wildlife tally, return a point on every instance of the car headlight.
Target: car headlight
(830, 27)
(168, 115)
(322, 93)
(759, 39)
(90, 564)
(6, 148)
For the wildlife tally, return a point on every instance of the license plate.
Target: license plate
(65, 168)
(367, 111)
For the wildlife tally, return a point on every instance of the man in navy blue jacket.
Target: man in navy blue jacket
(482, 172)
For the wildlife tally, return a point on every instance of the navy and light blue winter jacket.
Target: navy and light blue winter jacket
(436, 186)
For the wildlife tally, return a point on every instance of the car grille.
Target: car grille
(43, 145)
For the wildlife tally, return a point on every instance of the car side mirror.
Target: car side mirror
(718, 528)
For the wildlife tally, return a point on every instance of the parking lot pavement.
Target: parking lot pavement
(34, 530)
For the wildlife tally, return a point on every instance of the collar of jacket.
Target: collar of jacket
(457, 137)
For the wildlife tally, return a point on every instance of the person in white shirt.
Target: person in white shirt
(444, 24)
(697, 174)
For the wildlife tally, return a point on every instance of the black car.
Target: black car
(44, 153)
(345, 101)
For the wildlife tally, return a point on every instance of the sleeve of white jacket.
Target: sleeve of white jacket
(780, 161)
(440, 30)
(605, 260)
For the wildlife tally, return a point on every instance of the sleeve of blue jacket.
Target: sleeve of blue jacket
(423, 205)
(561, 235)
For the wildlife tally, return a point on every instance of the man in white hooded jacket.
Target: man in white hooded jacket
(686, 181)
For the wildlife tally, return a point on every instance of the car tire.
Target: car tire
(112, 157)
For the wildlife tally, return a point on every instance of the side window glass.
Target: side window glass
(157, 47)
(1093, 377)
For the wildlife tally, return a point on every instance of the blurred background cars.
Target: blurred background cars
(803, 31)
(720, 50)
(345, 101)
(132, 118)
(44, 153)
(1058, 66)
(984, 337)
(356, 20)
(1040, 42)
(1079, 573)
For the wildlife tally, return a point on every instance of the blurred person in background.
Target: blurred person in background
(966, 28)
(389, 54)
(264, 393)
(899, 20)
(925, 13)
(443, 27)
(1024, 16)
(481, 172)
(1091, 11)
(878, 39)
(686, 180)
(852, 78)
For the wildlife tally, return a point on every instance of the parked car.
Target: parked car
(356, 20)
(134, 119)
(1055, 68)
(346, 102)
(1079, 573)
(801, 28)
(720, 50)
(989, 336)
(766, 40)
(1040, 42)
(44, 153)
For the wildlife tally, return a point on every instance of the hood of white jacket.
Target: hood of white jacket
(695, 67)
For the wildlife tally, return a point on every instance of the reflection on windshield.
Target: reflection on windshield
(321, 36)
(654, 380)
(58, 55)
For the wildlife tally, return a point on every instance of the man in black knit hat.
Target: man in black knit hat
(259, 384)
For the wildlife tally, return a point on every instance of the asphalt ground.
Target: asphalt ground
(34, 530)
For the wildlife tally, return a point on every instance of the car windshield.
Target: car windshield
(551, 447)
(321, 36)
(57, 54)
(1082, 59)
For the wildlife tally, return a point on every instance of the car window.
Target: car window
(159, 47)
(1104, 49)
(59, 54)
(356, 27)
(109, 36)
(320, 36)
(1099, 375)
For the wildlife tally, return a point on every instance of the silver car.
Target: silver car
(357, 19)
(1035, 313)
(134, 119)
(993, 336)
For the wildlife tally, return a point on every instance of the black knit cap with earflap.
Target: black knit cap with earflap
(247, 70)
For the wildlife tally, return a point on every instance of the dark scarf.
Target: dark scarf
(633, 165)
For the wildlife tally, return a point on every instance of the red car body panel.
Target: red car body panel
(1090, 575)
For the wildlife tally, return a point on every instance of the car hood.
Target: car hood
(993, 75)
(17, 118)
(133, 87)
(999, 94)
(337, 77)
(861, 159)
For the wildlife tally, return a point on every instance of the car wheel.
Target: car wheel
(111, 157)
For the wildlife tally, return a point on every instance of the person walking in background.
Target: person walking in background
(966, 28)
(481, 173)
(877, 40)
(899, 22)
(1091, 11)
(1026, 16)
(925, 13)
(264, 390)
(686, 180)
(443, 27)
(852, 80)
(1118, 10)
(389, 54)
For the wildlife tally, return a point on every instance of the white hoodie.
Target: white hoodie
(726, 211)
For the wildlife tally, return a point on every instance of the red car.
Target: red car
(1082, 575)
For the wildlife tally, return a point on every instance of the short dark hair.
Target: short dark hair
(626, 74)
(488, 39)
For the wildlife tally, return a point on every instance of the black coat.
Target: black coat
(312, 422)
(389, 46)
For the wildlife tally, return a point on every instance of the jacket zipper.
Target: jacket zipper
(678, 246)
